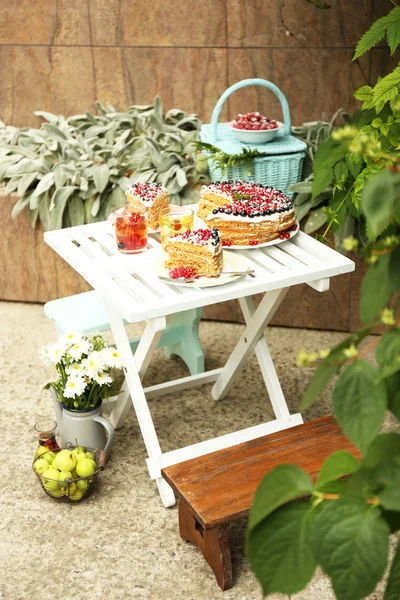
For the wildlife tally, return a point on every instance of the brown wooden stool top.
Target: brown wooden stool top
(219, 487)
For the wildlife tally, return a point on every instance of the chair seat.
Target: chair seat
(83, 312)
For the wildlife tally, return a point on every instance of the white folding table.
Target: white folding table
(132, 292)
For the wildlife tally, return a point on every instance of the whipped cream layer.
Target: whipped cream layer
(207, 238)
(146, 192)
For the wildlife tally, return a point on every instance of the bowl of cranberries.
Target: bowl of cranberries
(254, 128)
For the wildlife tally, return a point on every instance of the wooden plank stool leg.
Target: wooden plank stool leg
(216, 489)
(213, 543)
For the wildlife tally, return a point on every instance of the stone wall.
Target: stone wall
(62, 55)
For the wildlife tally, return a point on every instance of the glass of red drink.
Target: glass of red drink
(46, 429)
(131, 228)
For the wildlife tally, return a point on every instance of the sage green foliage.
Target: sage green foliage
(76, 170)
(345, 524)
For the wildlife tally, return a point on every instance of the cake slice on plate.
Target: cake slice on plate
(153, 196)
(198, 251)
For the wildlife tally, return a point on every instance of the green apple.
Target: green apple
(71, 489)
(64, 461)
(62, 476)
(82, 484)
(85, 467)
(78, 449)
(77, 495)
(49, 456)
(41, 465)
(74, 474)
(50, 479)
(79, 455)
(56, 493)
(40, 450)
(89, 455)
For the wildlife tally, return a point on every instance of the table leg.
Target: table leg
(265, 361)
(249, 339)
(135, 387)
(145, 350)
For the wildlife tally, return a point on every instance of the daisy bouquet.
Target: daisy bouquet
(85, 365)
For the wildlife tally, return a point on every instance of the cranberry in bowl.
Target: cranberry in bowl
(254, 128)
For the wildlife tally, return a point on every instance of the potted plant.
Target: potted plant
(85, 365)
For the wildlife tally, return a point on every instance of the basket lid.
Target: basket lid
(283, 144)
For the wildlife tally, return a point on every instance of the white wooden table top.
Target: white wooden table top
(137, 294)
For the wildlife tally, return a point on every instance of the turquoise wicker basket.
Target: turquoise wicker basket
(283, 161)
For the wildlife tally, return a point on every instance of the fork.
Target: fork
(249, 272)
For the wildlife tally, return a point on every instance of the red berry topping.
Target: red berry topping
(226, 243)
(253, 243)
(287, 235)
(253, 121)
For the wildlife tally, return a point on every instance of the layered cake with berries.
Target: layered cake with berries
(246, 213)
(153, 196)
(198, 251)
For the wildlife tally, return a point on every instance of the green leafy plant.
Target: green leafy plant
(373, 134)
(76, 170)
(343, 524)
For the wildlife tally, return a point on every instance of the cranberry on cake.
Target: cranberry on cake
(153, 196)
(199, 251)
(246, 213)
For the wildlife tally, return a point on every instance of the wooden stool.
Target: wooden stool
(218, 488)
(86, 313)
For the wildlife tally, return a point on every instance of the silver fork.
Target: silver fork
(249, 272)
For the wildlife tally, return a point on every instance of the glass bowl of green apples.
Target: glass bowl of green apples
(68, 474)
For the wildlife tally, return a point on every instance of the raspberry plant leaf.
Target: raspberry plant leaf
(337, 465)
(351, 542)
(379, 214)
(384, 446)
(359, 403)
(280, 548)
(282, 484)
(329, 366)
(385, 479)
(379, 284)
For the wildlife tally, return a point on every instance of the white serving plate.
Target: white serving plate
(232, 262)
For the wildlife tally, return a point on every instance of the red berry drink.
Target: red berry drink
(131, 229)
(46, 429)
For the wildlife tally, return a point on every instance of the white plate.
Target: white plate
(270, 243)
(232, 262)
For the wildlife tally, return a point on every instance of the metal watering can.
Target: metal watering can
(85, 428)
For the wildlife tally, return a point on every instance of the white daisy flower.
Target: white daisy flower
(79, 348)
(75, 386)
(71, 337)
(75, 370)
(93, 363)
(102, 378)
(55, 353)
(112, 357)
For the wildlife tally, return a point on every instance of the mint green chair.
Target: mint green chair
(86, 313)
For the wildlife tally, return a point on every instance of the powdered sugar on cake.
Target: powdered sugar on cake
(148, 193)
(208, 238)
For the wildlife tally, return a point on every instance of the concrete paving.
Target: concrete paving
(121, 543)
